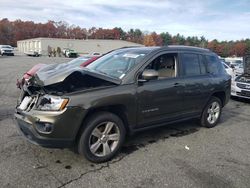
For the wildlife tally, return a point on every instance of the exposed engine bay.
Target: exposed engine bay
(243, 78)
(76, 81)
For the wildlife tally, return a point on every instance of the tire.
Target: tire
(96, 143)
(211, 113)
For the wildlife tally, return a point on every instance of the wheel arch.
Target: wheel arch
(119, 110)
(222, 96)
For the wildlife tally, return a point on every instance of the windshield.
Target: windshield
(6, 46)
(78, 61)
(237, 62)
(241, 66)
(117, 64)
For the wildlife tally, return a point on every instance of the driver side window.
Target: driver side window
(165, 65)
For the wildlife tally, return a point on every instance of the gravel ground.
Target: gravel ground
(178, 155)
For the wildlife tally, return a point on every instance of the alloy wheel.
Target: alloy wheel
(213, 112)
(104, 139)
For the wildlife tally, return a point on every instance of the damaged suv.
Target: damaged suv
(122, 92)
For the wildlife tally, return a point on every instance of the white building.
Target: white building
(40, 45)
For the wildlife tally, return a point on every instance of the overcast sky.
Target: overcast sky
(220, 19)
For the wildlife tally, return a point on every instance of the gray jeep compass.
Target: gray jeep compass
(124, 91)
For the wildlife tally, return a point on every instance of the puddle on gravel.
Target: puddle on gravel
(183, 132)
(68, 167)
(152, 141)
(58, 161)
(130, 148)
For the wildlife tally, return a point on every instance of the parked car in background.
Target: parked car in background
(236, 63)
(6, 50)
(124, 91)
(69, 53)
(239, 69)
(228, 68)
(241, 84)
(232, 70)
(32, 53)
(234, 60)
(80, 61)
(95, 53)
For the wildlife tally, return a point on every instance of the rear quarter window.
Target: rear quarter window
(214, 66)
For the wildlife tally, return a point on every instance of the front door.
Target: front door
(162, 99)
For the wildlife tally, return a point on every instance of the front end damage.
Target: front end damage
(44, 114)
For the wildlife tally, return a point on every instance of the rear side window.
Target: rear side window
(214, 66)
(190, 64)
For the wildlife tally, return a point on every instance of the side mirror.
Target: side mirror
(149, 74)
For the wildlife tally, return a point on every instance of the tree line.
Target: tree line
(12, 31)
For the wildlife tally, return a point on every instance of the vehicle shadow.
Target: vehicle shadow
(233, 113)
(144, 138)
(238, 99)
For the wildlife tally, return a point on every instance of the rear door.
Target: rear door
(193, 71)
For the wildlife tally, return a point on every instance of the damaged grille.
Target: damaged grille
(28, 103)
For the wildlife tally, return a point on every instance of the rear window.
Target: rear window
(214, 66)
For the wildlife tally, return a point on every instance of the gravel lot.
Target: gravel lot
(179, 155)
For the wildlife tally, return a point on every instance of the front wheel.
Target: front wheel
(211, 113)
(102, 137)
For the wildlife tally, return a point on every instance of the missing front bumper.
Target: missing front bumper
(32, 136)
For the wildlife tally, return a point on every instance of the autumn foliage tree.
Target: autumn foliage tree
(12, 31)
(153, 39)
(239, 49)
(149, 40)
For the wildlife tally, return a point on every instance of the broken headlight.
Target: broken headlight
(51, 103)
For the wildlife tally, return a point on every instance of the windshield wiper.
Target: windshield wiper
(103, 72)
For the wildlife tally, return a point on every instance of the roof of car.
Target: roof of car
(182, 47)
(169, 47)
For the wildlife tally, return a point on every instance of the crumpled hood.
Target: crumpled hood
(56, 73)
(53, 73)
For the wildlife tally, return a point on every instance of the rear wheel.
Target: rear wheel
(102, 138)
(212, 112)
